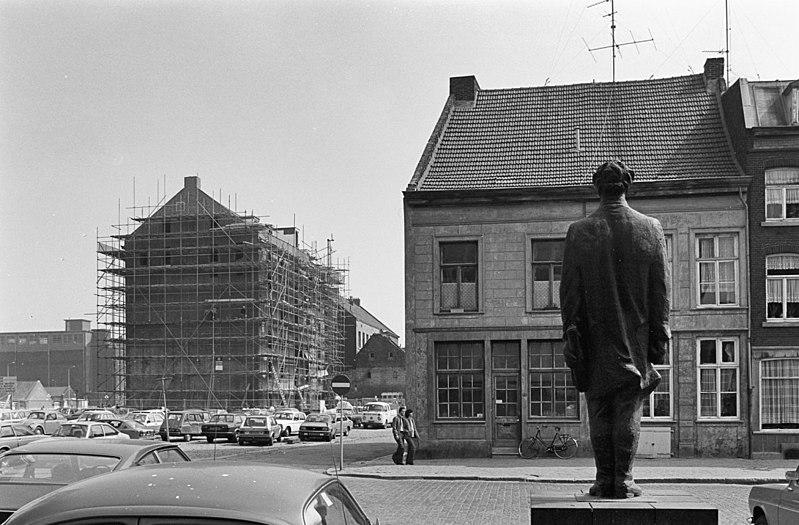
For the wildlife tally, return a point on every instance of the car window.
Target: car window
(333, 506)
(6, 432)
(148, 459)
(52, 468)
(171, 455)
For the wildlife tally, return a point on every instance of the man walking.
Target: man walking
(615, 312)
(398, 428)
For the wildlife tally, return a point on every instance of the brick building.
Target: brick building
(379, 367)
(503, 175)
(763, 121)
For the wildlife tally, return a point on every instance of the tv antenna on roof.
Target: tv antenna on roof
(726, 50)
(616, 46)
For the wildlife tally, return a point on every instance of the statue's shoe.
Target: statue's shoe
(628, 490)
(601, 490)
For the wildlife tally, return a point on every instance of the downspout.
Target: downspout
(749, 387)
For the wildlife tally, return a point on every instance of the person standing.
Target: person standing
(411, 437)
(398, 430)
(615, 312)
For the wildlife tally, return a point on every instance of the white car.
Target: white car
(290, 420)
(378, 414)
(777, 503)
(90, 430)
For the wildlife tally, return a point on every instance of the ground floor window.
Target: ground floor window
(658, 404)
(552, 393)
(460, 390)
(718, 378)
(779, 391)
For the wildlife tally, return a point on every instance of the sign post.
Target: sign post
(341, 386)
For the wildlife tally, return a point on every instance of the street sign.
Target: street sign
(340, 384)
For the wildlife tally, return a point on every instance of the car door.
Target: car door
(51, 422)
(789, 503)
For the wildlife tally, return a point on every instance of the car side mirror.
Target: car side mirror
(792, 475)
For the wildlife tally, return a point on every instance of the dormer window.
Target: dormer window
(782, 194)
(791, 96)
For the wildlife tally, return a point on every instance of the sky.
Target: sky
(311, 113)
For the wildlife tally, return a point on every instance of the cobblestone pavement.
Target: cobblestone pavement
(442, 502)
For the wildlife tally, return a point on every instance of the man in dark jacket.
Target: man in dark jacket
(615, 306)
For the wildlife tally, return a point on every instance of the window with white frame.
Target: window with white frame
(782, 287)
(779, 390)
(547, 259)
(717, 269)
(458, 276)
(459, 380)
(552, 392)
(658, 404)
(782, 194)
(718, 377)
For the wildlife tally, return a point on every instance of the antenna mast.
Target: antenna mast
(614, 46)
(726, 50)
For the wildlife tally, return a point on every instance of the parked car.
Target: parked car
(12, 416)
(222, 426)
(132, 428)
(290, 419)
(776, 504)
(44, 421)
(202, 492)
(35, 469)
(317, 426)
(184, 424)
(149, 418)
(340, 422)
(13, 435)
(259, 429)
(378, 414)
(89, 430)
(96, 415)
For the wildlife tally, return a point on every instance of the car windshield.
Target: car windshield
(53, 468)
(255, 422)
(317, 418)
(284, 415)
(222, 418)
(376, 408)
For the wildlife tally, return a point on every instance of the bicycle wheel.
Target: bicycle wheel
(567, 447)
(529, 448)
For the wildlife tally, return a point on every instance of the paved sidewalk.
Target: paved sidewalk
(575, 470)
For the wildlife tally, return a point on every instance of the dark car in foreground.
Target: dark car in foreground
(183, 424)
(13, 435)
(202, 493)
(35, 469)
(222, 426)
(776, 504)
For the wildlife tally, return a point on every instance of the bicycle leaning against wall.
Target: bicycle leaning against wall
(562, 445)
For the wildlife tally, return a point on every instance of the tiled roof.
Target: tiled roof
(664, 129)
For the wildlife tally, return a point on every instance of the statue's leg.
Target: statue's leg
(627, 430)
(600, 421)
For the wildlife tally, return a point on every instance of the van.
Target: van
(184, 424)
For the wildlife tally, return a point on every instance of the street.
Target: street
(442, 502)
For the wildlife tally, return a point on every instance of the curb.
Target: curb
(529, 479)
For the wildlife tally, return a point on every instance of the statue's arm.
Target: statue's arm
(659, 332)
(570, 284)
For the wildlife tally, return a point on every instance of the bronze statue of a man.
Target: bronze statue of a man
(615, 312)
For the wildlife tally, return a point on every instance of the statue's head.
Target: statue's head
(613, 179)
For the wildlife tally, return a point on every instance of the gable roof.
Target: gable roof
(30, 390)
(550, 136)
(362, 314)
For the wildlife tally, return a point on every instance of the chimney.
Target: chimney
(714, 75)
(355, 300)
(191, 182)
(464, 88)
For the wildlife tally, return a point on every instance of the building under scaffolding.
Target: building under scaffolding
(209, 308)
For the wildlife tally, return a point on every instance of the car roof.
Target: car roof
(68, 445)
(262, 493)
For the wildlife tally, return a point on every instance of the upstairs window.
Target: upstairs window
(547, 270)
(782, 194)
(459, 276)
(717, 268)
(782, 287)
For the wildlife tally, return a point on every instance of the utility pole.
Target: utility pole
(614, 46)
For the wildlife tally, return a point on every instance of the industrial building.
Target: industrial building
(210, 308)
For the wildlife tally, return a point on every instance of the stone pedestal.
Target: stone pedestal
(652, 508)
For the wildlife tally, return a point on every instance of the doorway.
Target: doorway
(507, 412)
